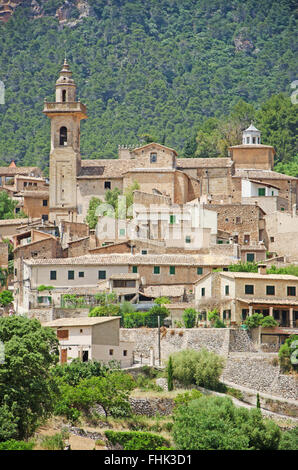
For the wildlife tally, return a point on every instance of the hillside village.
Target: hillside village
(173, 237)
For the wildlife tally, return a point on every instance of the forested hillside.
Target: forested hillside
(190, 73)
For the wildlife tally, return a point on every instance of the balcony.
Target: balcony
(58, 108)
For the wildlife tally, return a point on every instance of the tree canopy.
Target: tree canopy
(167, 71)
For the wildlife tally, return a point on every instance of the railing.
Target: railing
(60, 107)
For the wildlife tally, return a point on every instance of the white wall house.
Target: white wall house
(254, 189)
(92, 338)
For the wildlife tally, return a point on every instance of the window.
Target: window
(111, 352)
(199, 270)
(172, 269)
(144, 252)
(253, 140)
(238, 220)
(53, 275)
(227, 290)
(70, 275)
(203, 292)
(125, 352)
(271, 239)
(17, 210)
(107, 184)
(250, 257)
(63, 135)
(45, 202)
(62, 334)
(63, 95)
(172, 219)
(153, 157)
(249, 289)
(45, 217)
(261, 191)
(246, 239)
(134, 269)
(282, 209)
(187, 239)
(247, 140)
(270, 290)
(122, 232)
(291, 290)
(81, 274)
(101, 274)
(156, 270)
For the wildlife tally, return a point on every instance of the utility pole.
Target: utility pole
(158, 320)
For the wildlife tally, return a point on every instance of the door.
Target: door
(85, 356)
(63, 355)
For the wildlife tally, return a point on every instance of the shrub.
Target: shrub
(254, 320)
(12, 444)
(41, 288)
(285, 352)
(136, 440)
(268, 322)
(201, 367)
(100, 442)
(6, 298)
(162, 300)
(289, 440)
(105, 311)
(214, 423)
(55, 442)
(189, 317)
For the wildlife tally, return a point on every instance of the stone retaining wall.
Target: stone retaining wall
(258, 373)
(176, 339)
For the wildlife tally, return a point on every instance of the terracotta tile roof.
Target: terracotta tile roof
(128, 259)
(105, 168)
(164, 291)
(22, 170)
(265, 277)
(133, 276)
(268, 301)
(260, 174)
(203, 162)
(14, 222)
(84, 321)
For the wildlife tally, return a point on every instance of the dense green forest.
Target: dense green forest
(189, 73)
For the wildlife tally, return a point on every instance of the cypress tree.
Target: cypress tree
(170, 375)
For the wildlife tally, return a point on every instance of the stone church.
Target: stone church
(156, 168)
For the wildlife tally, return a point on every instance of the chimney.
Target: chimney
(262, 268)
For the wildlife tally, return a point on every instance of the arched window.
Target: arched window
(63, 135)
(63, 95)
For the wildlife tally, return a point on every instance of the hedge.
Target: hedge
(136, 440)
(12, 444)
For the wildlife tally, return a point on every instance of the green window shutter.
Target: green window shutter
(250, 257)
(199, 270)
(70, 275)
(187, 239)
(172, 269)
(261, 191)
(101, 274)
(156, 270)
(172, 219)
(134, 269)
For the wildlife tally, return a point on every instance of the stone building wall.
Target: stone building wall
(3, 255)
(239, 219)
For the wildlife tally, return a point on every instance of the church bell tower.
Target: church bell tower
(65, 159)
